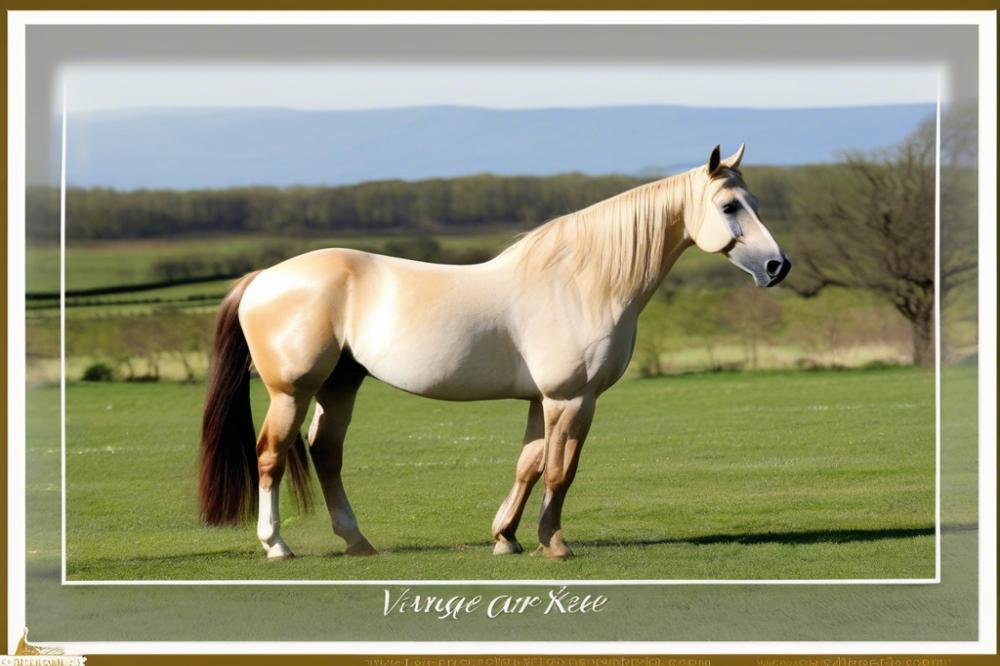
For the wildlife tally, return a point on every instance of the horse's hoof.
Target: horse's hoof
(361, 548)
(505, 547)
(558, 551)
(279, 551)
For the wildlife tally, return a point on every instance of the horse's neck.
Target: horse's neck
(675, 242)
(671, 254)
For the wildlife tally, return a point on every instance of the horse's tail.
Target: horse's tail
(227, 484)
(228, 470)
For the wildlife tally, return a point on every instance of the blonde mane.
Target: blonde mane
(614, 248)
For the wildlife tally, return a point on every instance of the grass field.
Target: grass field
(805, 475)
(93, 264)
(739, 476)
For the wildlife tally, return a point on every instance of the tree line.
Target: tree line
(428, 205)
(866, 223)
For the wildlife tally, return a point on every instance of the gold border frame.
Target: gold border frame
(449, 659)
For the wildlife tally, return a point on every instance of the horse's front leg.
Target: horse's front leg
(528, 472)
(566, 425)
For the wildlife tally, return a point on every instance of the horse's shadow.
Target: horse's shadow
(787, 538)
(784, 538)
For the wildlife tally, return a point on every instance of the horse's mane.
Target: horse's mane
(614, 248)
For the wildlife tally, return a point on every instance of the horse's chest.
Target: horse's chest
(610, 357)
(568, 364)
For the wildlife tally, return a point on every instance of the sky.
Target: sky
(340, 85)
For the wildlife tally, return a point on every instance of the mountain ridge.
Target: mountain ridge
(200, 148)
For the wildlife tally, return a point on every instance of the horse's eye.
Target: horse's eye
(731, 207)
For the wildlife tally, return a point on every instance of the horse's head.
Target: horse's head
(723, 218)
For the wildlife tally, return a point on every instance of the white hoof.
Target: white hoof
(278, 551)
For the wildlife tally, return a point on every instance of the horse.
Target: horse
(551, 320)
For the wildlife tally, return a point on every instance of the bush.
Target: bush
(99, 372)
(142, 379)
(879, 365)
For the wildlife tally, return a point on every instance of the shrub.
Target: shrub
(99, 372)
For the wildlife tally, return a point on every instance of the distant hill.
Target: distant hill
(213, 148)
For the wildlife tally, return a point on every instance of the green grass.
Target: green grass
(808, 475)
(202, 296)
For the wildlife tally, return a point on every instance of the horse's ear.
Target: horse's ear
(733, 161)
(714, 160)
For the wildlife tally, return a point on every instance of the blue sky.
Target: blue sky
(340, 85)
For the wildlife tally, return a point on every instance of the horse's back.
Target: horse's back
(431, 329)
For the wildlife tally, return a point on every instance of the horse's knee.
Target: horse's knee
(529, 475)
(556, 478)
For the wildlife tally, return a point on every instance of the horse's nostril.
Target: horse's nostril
(773, 267)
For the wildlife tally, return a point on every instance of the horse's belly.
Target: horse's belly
(461, 371)
(450, 348)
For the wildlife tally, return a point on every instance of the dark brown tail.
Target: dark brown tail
(227, 485)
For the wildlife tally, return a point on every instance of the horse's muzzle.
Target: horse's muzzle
(776, 270)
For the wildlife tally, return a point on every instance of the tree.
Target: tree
(700, 313)
(755, 316)
(137, 336)
(184, 336)
(870, 225)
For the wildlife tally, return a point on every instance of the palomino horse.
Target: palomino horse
(552, 320)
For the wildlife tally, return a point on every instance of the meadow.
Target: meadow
(736, 475)
(799, 470)
(767, 475)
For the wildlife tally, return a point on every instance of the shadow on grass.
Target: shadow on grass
(788, 538)
(792, 538)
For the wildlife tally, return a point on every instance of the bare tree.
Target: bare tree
(869, 224)
(138, 340)
(756, 316)
(186, 337)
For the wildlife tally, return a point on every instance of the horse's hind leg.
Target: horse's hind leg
(334, 405)
(281, 427)
(528, 472)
